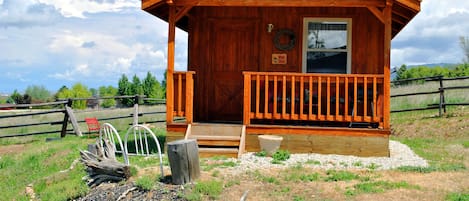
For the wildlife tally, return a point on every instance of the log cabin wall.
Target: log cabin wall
(367, 42)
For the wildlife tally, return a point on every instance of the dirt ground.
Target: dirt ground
(431, 186)
(8, 149)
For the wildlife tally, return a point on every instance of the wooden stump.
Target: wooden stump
(184, 161)
(102, 165)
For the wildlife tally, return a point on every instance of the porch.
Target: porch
(320, 113)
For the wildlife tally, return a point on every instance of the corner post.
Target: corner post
(387, 64)
(189, 97)
(170, 71)
(247, 99)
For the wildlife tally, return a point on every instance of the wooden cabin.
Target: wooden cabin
(316, 72)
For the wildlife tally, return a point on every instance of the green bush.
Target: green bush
(262, 153)
(281, 155)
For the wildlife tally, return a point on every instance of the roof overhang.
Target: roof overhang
(402, 10)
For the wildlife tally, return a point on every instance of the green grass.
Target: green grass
(465, 144)
(435, 151)
(40, 164)
(451, 96)
(211, 189)
(334, 175)
(145, 183)
(377, 187)
(457, 197)
(299, 173)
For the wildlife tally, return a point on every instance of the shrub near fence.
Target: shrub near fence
(441, 90)
(40, 119)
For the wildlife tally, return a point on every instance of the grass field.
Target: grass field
(444, 141)
(451, 96)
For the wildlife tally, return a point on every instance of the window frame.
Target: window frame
(305, 48)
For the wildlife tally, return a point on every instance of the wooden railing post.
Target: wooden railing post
(247, 99)
(189, 97)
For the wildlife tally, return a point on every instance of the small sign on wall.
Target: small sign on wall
(279, 58)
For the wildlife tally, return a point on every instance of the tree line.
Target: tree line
(448, 71)
(424, 71)
(149, 87)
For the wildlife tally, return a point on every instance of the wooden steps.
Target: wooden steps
(218, 139)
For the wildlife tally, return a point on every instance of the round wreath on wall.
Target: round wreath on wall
(288, 33)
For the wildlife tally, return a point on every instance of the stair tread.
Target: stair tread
(219, 150)
(213, 137)
(216, 129)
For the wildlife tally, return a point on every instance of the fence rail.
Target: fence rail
(441, 106)
(69, 115)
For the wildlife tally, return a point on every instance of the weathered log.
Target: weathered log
(184, 161)
(103, 166)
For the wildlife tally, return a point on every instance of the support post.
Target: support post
(170, 71)
(387, 63)
(247, 99)
(74, 121)
(189, 97)
(135, 115)
(442, 96)
(65, 122)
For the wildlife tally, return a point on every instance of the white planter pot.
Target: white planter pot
(270, 143)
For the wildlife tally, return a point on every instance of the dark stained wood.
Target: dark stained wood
(407, 8)
(281, 3)
(367, 57)
(232, 46)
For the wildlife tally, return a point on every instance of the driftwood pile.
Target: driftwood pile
(102, 165)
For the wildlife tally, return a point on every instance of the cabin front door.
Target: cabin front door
(234, 48)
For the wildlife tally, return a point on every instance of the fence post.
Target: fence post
(65, 122)
(135, 116)
(442, 95)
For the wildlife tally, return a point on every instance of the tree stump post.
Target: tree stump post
(184, 161)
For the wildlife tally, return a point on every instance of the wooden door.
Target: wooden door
(234, 48)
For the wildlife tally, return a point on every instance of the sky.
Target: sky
(53, 43)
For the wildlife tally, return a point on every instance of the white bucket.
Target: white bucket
(270, 143)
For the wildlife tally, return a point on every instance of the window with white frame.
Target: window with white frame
(327, 45)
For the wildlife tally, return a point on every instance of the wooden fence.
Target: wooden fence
(65, 106)
(441, 106)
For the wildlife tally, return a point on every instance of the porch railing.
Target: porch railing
(183, 95)
(336, 98)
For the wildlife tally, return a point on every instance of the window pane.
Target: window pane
(326, 62)
(327, 35)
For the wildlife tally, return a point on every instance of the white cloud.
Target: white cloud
(110, 56)
(26, 13)
(74, 8)
(432, 36)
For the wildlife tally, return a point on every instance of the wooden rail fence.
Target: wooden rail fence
(441, 106)
(64, 106)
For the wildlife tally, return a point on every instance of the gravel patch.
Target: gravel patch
(401, 155)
